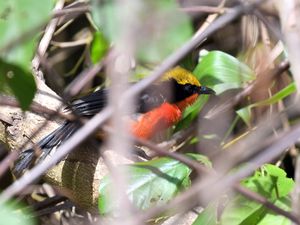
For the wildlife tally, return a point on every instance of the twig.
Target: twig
(179, 137)
(70, 12)
(163, 151)
(296, 191)
(199, 168)
(45, 41)
(50, 210)
(70, 44)
(78, 83)
(205, 9)
(288, 13)
(274, 30)
(66, 11)
(36, 108)
(210, 18)
(48, 202)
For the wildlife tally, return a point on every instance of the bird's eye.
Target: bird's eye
(145, 97)
(203, 88)
(187, 87)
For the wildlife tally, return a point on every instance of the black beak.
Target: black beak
(206, 91)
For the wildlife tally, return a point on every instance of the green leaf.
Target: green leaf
(17, 18)
(150, 183)
(19, 81)
(272, 183)
(275, 219)
(99, 47)
(208, 216)
(222, 71)
(191, 112)
(284, 185)
(9, 214)
(242, 211)
(245, 113)
(153, 43)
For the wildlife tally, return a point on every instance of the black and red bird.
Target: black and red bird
(160, 105)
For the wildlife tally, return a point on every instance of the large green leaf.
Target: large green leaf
(272, 183)
(150, 183)
(222, 71)
(17, 19)
(153, 43)
(19, 81)
(245, 113)
(9, 214)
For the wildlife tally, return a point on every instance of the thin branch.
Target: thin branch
(164, 151)
(50, 210)
(71, 44)
(45, 41)
(66, 11)
(48, 202)
(198, 167)
(36, 108)
(87, 75)
(289, 11)
(205, 9)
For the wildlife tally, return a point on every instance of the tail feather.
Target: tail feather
(86, 106)
(25, 161)
(48, 145)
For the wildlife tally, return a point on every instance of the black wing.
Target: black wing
(148, 99)
(88, 106)
(152, 97)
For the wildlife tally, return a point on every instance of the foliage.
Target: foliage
(150, 183)
(270, 182)
(99, 47)
(245, 113)
(10, 214)
(152, 45)
(17, 45)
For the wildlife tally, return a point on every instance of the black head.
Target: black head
(187, 90)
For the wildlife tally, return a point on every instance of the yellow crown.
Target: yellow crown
(181, 76)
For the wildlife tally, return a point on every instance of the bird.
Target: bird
(160, 106)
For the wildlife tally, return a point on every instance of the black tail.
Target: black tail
(86, 106)
(48, 146)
